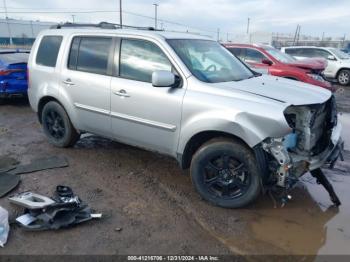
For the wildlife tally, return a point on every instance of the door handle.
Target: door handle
(68, 81)
(121, 93)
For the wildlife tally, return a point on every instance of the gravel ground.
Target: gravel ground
(150, 207)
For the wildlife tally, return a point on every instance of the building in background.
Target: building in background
(278, 40)
(22, 32)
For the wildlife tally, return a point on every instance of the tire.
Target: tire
(344, 77)
(57, 125)
(225, 173)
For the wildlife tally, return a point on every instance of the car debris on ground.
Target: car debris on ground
(63, 210)
(10, 169)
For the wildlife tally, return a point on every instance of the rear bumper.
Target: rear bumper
(9, 89)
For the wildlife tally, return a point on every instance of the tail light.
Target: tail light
(6, 72)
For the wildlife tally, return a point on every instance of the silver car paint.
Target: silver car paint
(165, 119)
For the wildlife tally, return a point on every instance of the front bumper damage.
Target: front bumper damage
(287, 166)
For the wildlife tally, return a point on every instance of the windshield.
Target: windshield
(209, 61)
(14, 58)
(282, 57)
(340, 54)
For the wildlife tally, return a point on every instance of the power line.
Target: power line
(109, 11)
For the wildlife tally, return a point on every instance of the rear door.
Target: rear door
(85, 81)
(142, 114)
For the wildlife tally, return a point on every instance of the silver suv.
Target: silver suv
(185, 96)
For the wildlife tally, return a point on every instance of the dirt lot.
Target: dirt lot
(152, 201)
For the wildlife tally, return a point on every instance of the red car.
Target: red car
(276, 63)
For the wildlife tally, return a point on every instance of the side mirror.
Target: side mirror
(162, 78)
(331, 57)
(266, 62)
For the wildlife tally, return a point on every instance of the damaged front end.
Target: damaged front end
(314, 141)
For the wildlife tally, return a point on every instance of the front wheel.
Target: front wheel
(57, 125)
(344, 77)
(225, 173)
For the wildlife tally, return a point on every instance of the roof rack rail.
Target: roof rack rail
(102, 25)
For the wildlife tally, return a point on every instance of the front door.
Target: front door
(142, 114)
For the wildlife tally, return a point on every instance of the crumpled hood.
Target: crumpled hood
(315, 64)
(279, 89)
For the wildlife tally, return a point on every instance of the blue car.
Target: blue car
(13, 73)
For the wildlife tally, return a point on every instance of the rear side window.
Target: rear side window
(90, 54)
(140, 58)
(292, 51)
(48, 50)
(306, 52)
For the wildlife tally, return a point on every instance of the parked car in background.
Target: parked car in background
(185, 96)
(338, 62)
(13, 73)
(281, 64)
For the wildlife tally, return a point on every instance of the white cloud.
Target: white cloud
(315, 17)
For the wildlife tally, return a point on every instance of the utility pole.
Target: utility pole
(248, 25)
(120, 14)
(73, 16)
(322, 36)
(155, 15)
(32, 29)
(296, 34)
(227, 37)
(7, 23)
(218, 35)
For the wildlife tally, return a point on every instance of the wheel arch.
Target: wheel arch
(197, 140)
(340, 69)
(42, 102)
(46, 99)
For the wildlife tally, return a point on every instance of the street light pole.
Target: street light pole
(7, 23)
(248, 25)
(120, 14)
(155, 15)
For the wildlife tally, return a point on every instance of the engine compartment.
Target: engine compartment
(291, 156)
(312, 125)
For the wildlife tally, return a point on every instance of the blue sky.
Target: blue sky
(315, 16)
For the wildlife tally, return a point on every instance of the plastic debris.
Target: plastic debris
(63, 210)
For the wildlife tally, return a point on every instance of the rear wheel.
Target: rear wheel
(344, 77)
(57, 125)
(225, 173)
